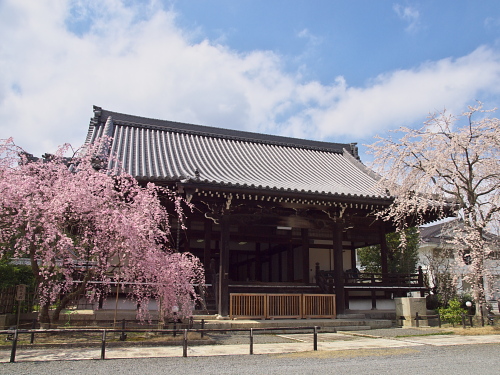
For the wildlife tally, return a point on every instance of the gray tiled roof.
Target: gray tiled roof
(160, 150)
(445, 231)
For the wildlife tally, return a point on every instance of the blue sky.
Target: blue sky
(340, 71)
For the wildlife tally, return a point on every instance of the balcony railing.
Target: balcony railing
(353, 279)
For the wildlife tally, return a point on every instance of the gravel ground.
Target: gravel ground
(228, 339)
(421, 360)
(234, 339)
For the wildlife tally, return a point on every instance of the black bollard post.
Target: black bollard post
(463, 320)
(251, 340)
(33, 326)
(123, 335)
(315, 338)
(417, 320)
(103, 345)
(14, 347)
(470, 320)
(202, 327)
(185, 344)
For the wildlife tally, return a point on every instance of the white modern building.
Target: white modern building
(438, 255)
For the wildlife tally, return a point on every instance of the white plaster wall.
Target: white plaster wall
(125, 304)
(366, 304)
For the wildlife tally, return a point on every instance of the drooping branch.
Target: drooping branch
(72, 218)
(445, 167)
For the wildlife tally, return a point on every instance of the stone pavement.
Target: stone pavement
(303, 343)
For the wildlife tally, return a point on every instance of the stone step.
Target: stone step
(351, 316)
(353, 328)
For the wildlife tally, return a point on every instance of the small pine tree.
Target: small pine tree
(453, 313)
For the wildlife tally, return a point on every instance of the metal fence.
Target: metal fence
(14, 335)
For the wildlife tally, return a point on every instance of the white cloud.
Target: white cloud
(404, 96)
(136, 60)
(492, 23)
(410, 15)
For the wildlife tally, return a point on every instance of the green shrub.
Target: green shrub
(453, 313)
(12, 275)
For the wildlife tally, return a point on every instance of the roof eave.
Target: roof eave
(189, 186)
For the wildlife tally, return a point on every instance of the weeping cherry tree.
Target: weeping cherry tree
(85, 229)
(449, 166)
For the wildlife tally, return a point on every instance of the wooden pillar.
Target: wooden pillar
(248, 268)
(338, 263)
(270, 263)
(207, 250)
(383, 251)
(280, 264)
(353, 256)
(223, 305)
(289, 263)
(305, 254)
(258, 263)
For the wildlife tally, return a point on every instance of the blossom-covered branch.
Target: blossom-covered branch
(450, 166)
(78, 222)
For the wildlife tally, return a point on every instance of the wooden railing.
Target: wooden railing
(248, 305)
(318, 306)
(291, 306)
(353, 278)
(284, 305)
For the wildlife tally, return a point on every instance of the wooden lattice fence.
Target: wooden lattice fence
(9, 305)
(291, 306)
(7, 300)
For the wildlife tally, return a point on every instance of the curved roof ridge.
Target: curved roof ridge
(101, 115)
(359, 164)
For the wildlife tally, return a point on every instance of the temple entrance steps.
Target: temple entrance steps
(351, 316)
(373, 314)
(345, 323)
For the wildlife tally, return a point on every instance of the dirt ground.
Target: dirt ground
(94, 338)
(83, 338)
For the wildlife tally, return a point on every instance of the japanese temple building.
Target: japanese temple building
(270, 211)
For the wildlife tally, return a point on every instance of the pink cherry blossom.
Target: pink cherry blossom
(77, 222)
(450, 166)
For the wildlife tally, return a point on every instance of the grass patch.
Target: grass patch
(459, 330)
(352, 353)
(428, 334)
(474, 331)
